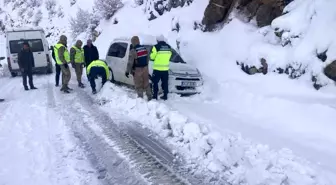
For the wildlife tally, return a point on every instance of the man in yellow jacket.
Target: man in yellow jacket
(63, 59)
(160, 54)
(97, 68)
(77, 61)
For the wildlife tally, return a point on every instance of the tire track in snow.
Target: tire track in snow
(97, 133)
(72, 155)
(110, 168)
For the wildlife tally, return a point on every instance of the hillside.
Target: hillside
(272, 128)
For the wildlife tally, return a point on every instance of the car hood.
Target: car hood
(183, 68)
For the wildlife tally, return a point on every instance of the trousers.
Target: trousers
(141, 82)
(95, 72)
(79, 71)
(58, 73)
(66, 75)
(29, 74)
(156, 77)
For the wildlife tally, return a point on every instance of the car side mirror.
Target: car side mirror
(2, 58)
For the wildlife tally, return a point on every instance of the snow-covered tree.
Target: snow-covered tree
(139, 2)
(50, 4)
(108, 7)
(51, 7)
(38, 18)
(80, 23)
(30, 13)
(21, 12)
(60, 12)
(6, 2)
(34, 3)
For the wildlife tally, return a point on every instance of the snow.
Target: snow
(36, 147)
(246, 161)
(247, 129)
(288, 116)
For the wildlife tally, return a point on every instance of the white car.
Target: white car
(183, 78)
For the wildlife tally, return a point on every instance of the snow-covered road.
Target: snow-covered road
(52, 138)
(36, 147)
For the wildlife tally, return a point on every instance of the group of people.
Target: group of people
(79, 58)
(138, 66)
(88, 57)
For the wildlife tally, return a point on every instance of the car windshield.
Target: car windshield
(36, 45)
(175, 58)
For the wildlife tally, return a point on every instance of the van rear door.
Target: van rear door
(35, 41)
(36, 47)
(14, 48)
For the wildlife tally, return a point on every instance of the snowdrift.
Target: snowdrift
(229, 157)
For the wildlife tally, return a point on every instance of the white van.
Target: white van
(38, 44)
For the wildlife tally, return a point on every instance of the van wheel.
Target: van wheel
(13, 74)
(111, 77)
(49, 70)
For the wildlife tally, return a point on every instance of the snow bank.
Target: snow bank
(231, 157)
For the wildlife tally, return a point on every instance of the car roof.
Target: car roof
(144, 39)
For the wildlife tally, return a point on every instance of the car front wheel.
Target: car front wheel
(13, 74)
(111, 77)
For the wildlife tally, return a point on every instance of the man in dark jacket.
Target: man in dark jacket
(26, 63)
(90, 52)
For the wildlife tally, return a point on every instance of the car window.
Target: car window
(36, 45)
(175, 58)
(118, 49)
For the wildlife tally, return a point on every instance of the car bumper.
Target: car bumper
(185, 85)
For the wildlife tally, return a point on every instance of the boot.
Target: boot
(154, 97)
(68, 88)
(33, 87)
(64, 88)
(66, 91)
(26, 88)
(164, 97)
(81, 85)
(94, 92)
(2, 100)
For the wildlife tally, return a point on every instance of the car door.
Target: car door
(117, 59)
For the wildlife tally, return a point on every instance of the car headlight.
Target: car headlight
(170, 72)
(198, 71)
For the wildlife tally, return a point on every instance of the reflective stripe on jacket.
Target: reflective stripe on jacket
(161, 54)
(79, 56)
(98, 63)
(66, 54)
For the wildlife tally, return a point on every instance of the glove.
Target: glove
(66, 65)
(127, 74)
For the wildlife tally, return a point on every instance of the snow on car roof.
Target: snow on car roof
(144, 39)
